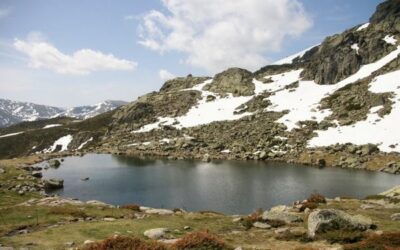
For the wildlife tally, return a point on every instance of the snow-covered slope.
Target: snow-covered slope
(301, 103)
(12, 112)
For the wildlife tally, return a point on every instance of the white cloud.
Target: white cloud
(44, 55)
(165, 75)
(216, 34)
(4, 12)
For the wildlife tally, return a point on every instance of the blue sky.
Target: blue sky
(68, 53)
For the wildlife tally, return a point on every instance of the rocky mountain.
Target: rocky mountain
(12, 112)
(335, 104)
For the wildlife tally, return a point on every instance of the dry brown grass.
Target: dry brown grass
(385, 241)
(124, 243)
(316, 198)
(133, 207)
(200, 241)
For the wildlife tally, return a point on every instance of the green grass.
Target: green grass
(81, 231)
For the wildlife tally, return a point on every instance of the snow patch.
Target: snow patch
(303, 102)
(84, 143)
(390, 40)
(52, 126)
(364, 26)
(355, 47)
(63, 142)
(12, 134)
(378, 130)
(220, 109)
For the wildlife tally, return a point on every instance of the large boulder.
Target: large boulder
(54, 163)
(237, 81)
(324, 220)
(180, 83)
(53, 184)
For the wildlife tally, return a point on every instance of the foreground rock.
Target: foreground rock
(393, 192)
(287, 217)
(53, 184)
(156, 233)
(148, 210)
(322, 221)
(54, 163)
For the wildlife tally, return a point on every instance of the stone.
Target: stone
(99, 203)
(393, 192)
(37, 174)
(369, 149)
(88, 242)
(287, 217)
(324, 220)
(261, 225)
(109, 219)
(206, 158)
(69, 244)
(53, 184)
(54, 163)
(168, 241)
(186, 228)
(2, 171)
(158, 211)
(395, 216)
(156, 233)
(237, 219)
(281, 230)
(237, 81)
(279, 209)
(263, 155)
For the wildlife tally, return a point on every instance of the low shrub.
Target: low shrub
(385, 241)
(133, 207)
(316, 198)
(124, 243)
(309, 205)
(342, 236)
(200, 241)
(248, 221)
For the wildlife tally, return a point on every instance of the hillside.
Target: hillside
(335, 104)
(13, 112)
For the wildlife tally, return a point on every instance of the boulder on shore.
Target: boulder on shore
(54, 163)
(324, 220)
(53, 184)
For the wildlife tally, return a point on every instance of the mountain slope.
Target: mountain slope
(334, 104)
(12, 112)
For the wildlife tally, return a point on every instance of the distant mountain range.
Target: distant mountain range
(12, 112)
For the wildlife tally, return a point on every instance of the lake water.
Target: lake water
(232, 187)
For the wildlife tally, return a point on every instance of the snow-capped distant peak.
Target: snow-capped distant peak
(12, 112)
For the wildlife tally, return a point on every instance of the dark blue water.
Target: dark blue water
(232, 187)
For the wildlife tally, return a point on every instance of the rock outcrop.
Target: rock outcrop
(325, 220)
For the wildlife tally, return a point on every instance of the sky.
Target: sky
(77, 52)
